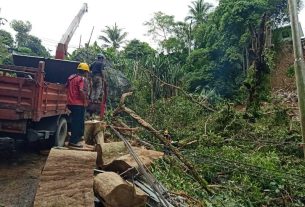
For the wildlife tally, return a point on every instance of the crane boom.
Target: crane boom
(62, 46)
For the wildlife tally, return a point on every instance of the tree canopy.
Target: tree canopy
(113, 36)
(26, 43)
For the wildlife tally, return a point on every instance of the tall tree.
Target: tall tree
(136, 50)
(26, 43)
(160, 27)
(172, 37)
(22, 28)
(113, 37)
(199, 11)
(225, 42)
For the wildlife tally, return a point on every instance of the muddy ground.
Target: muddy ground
(19, 177)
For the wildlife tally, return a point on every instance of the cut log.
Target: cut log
(66, 179)
(116, 192)
(99, 156)
(113, 150)
(92, 129)
(126, 164)
(100, 137)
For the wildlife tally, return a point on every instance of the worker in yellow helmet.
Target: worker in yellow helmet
(77, 94)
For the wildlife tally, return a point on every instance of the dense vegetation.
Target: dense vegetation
(248, 147)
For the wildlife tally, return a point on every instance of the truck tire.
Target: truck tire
(61, 132)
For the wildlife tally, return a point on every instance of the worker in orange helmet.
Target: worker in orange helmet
(77, 102)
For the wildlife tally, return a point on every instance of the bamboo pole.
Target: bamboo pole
(298, 64)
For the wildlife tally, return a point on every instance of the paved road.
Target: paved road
(19, 177)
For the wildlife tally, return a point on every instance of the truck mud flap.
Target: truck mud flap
(36, 135)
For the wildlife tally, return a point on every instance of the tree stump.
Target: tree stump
(92, 129)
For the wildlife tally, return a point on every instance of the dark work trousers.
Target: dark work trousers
(77, 123)
(97, 87)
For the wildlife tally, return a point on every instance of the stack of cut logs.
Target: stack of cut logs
(117, 165)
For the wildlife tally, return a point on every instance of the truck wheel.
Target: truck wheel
(61, 133)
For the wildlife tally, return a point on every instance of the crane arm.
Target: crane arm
(62, 46)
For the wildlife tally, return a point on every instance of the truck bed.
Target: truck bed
(25, 95)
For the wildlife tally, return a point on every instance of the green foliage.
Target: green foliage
(137, 50)
(87, 54)
(35, 46)
(6, 42)
(251, 164)
(160, 27)
(113, 37)
(224, 38)
(6, 38)
(270, 56)
(290, 71)
(198, 11)
(26, 43)
(21, 27)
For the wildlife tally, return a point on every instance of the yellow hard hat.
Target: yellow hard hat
(83, 66)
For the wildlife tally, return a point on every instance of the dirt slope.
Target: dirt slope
(281, 77)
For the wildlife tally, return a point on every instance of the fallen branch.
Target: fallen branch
(134, 136)
(122, 102)
(125, 128)
(157, 134)
(189, 143)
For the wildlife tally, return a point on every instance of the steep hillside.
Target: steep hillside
(282, 77)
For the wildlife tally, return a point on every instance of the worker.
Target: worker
(77, 101)
(98, 77)
(168, 139)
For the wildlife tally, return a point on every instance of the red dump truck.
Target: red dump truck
(33, 99)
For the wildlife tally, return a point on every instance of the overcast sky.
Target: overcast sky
(51, 18)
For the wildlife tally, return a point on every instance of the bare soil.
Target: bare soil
(280, 80)
(19, 177)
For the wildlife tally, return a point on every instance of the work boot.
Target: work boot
(78, 145)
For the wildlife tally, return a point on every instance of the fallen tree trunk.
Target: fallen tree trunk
(142, 122)
(116, 192)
